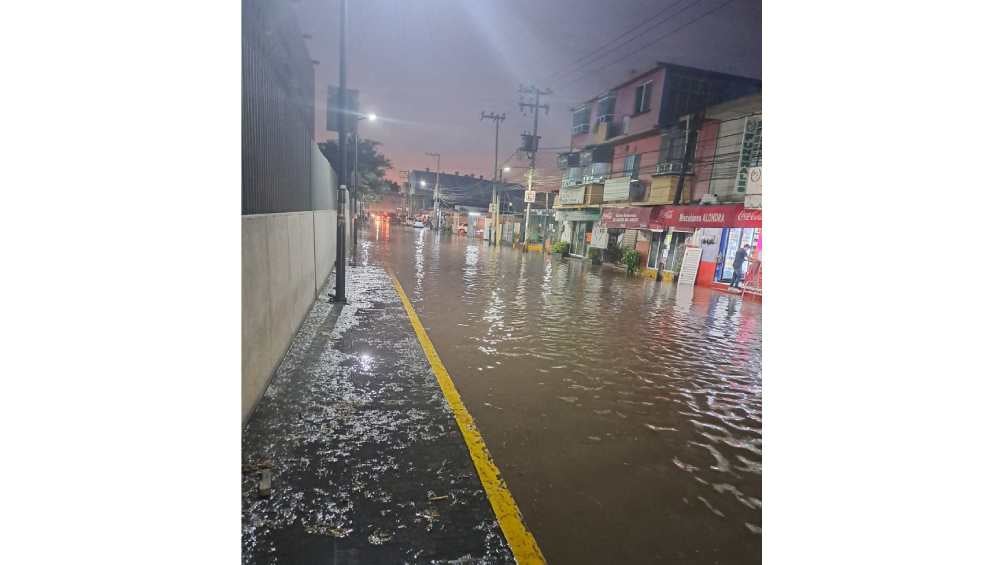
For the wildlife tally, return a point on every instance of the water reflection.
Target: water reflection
(632, 405)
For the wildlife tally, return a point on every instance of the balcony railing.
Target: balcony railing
(571, 181)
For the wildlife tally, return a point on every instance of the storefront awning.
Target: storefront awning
(729, 216)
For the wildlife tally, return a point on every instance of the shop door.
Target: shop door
(578, 238)
(732, 240)
(655, 251)
(677, 247)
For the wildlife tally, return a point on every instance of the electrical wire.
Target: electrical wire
(639, 30)
(653, 42)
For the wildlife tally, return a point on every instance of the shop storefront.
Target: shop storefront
(720, 231)
(576, 227)
(627, 227)
(668, 255)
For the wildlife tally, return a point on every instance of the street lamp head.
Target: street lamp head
(422, 183)
(506, 169)
(371, 117)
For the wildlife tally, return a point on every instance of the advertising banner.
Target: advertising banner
(572, 196)
(633, 217)
(734, 216)
(616, 189)
(576, 215)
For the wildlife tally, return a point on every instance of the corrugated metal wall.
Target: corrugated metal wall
(277, 104)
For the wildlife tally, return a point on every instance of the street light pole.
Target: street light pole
(497, 221)
(355, 182)
(343, 153)
(498, 120)
(355, 190)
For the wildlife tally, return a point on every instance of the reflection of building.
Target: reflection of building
(670, 134)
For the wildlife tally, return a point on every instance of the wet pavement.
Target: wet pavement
(624, 413)
(365, 460)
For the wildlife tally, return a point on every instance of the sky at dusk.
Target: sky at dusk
(429, 67)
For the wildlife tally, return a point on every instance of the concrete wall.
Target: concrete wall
(285, 259)
(325, 226)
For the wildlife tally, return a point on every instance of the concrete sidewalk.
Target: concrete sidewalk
(366, 462)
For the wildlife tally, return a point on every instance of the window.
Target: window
(673, 144)
(643, 98)
(605, 109)
(580, 120)
(632, 165)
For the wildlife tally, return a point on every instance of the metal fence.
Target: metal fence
(277, 110)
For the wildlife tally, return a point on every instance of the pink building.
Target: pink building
(628, 153)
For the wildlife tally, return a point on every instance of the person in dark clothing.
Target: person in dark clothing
(737, 265)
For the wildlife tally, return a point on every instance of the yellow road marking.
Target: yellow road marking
(521, 542)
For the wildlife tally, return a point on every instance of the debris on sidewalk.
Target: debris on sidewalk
(353, 449)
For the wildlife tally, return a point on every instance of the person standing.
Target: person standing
(737, 265)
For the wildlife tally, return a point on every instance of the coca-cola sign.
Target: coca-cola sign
(748, 218)
(705, 217)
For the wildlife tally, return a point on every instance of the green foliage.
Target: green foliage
(595, 253)
(560, 247)
(372, 166)
(631, 260)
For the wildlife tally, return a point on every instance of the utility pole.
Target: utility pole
(343, 157)
(435, 192)
(355, 190)
(531, 146)
(495, 171)
(693, 125)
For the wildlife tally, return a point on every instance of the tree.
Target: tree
(372, 166)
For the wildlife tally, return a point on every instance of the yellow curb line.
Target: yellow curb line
(521, 542)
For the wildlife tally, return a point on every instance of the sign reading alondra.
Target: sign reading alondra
(706, 217)
(626, 218)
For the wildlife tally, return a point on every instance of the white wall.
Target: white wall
(285, 259)
(325, 226)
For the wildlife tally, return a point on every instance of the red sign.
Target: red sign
(705, 217)
(749, 218)
(631, 217)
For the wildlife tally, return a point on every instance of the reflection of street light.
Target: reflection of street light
(506, 169)
(435, 191)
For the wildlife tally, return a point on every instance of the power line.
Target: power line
(646, 25)
(656, 40)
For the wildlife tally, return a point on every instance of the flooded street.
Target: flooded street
(624, 413)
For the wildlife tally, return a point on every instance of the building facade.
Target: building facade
(651, 151)
(288, 220)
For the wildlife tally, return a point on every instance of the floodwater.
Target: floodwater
(624, 413)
